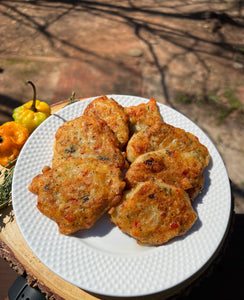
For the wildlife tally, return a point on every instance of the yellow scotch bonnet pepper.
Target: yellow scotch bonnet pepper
(32, 113)
(12, 138)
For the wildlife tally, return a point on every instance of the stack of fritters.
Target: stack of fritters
(85, 181)
(165, 175)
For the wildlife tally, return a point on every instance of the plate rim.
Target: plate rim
(95, 290)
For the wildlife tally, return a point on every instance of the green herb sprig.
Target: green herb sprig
(72, 98)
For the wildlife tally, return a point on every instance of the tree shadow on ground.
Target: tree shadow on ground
(140, 18)
(7, 104)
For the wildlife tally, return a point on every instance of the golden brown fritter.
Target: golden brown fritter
(113, 113)
(77, 192)
(179, 168)
(86, 181)
(143, 115)
(87, 136)
(167, 137)
(154, 212)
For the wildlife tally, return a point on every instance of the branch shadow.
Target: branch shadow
(138, 17)
(7, 104)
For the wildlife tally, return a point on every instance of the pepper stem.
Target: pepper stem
(33, 106)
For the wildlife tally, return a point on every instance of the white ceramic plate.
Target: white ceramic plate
(103, 260)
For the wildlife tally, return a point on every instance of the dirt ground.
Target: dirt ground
(188, 54)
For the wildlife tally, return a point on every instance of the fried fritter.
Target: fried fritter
(113, 113)
(154, 212)
(143, 115)
(179, 168)
(167, 137)
(87, 136)
(77, 192)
